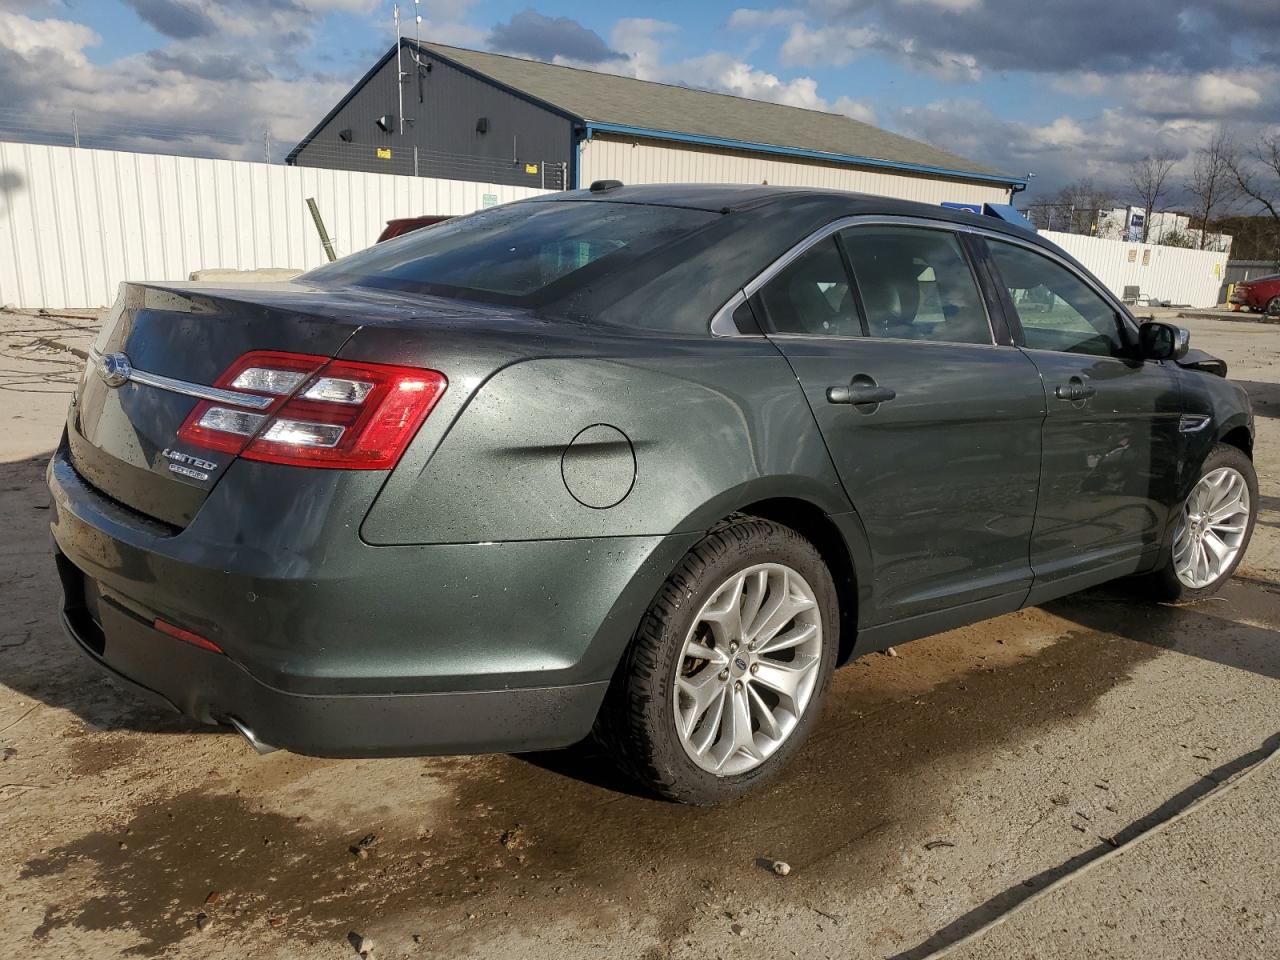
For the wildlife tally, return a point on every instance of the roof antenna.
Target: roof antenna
(395, 16)
(417, 39)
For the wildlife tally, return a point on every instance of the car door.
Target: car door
(1111, 433)
(933, 428)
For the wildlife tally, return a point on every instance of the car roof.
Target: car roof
(728, 198)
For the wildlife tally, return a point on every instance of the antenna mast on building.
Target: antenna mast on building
(395, 15)
(417, 36)
(401, 76)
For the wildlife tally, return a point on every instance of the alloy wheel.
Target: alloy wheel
(748, 669)
(1212, 527)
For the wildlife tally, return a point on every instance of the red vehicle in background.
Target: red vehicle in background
(399, 227)
(1261, 294)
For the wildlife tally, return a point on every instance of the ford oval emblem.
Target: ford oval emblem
(740, 663)
(114, 369)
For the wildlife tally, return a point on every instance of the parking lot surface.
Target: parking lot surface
(984, 774)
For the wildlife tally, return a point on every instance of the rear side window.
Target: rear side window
(916, 284)
(1057, 310)
(812, 295)
(523, 253)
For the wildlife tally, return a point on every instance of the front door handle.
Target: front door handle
(861, 391)
(1074, 390)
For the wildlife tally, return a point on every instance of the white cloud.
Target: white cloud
(1062, 133)
(639, 39)
(745, 18)
(855, 109)
(61, 38)
(148, 102)
(834, 46)
(951, 6)
(720, 71)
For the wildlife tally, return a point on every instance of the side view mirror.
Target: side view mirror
(1163, 341)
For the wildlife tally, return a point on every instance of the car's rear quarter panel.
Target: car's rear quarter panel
(714, 424)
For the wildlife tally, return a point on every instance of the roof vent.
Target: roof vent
(604, 186)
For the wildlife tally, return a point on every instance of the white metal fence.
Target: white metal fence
(74, 222)
(1182, 277)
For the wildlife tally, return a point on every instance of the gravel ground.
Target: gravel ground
(945, 787)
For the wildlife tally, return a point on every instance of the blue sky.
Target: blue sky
(1061, 89)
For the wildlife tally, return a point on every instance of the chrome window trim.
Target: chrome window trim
(722, 322)
(198, 390)
(861, 339)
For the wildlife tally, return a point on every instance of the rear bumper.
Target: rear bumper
(342, 649)
(212, 688)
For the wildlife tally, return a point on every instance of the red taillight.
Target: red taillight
(269, 373)
(186, 636)
(326, 413)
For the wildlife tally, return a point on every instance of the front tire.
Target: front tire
(1212, 530)
(729, 667)
(1273, 308)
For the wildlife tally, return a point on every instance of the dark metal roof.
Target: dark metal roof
(612, 103)
(606, 98)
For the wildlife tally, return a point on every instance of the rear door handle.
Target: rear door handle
(1075, 389)
(862, 390)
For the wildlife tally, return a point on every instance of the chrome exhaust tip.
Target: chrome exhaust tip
(244, 731)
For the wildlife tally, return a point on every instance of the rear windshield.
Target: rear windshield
(522, 253)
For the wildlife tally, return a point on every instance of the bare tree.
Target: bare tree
(1147, 180)
(1257, 174)
(1077, 205)
(1212, 186)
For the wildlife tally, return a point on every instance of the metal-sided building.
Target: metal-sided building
(440, 111)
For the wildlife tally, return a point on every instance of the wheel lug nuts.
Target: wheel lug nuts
(755, 668)
(733, 646)
(724, 674)
(738, 685)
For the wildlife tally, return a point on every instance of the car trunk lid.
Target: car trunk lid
(162, 344)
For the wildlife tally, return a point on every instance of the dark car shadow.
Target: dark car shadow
(1265, 397)
(37, 659)
(1219, 630)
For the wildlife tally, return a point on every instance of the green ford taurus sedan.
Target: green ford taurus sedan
(646, 463)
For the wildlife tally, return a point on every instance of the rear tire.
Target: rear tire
(1209, 542)
(695, 712)
(1273, 308)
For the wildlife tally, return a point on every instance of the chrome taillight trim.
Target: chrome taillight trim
(186, 388)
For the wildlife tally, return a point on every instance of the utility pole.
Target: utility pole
(75, 128)
(266, 143)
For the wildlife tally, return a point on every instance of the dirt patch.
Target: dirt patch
(94, 755)
(523, 838)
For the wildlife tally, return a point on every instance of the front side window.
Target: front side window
(812, 296)
(1057, 309)
(521, 253)
(916, 285)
